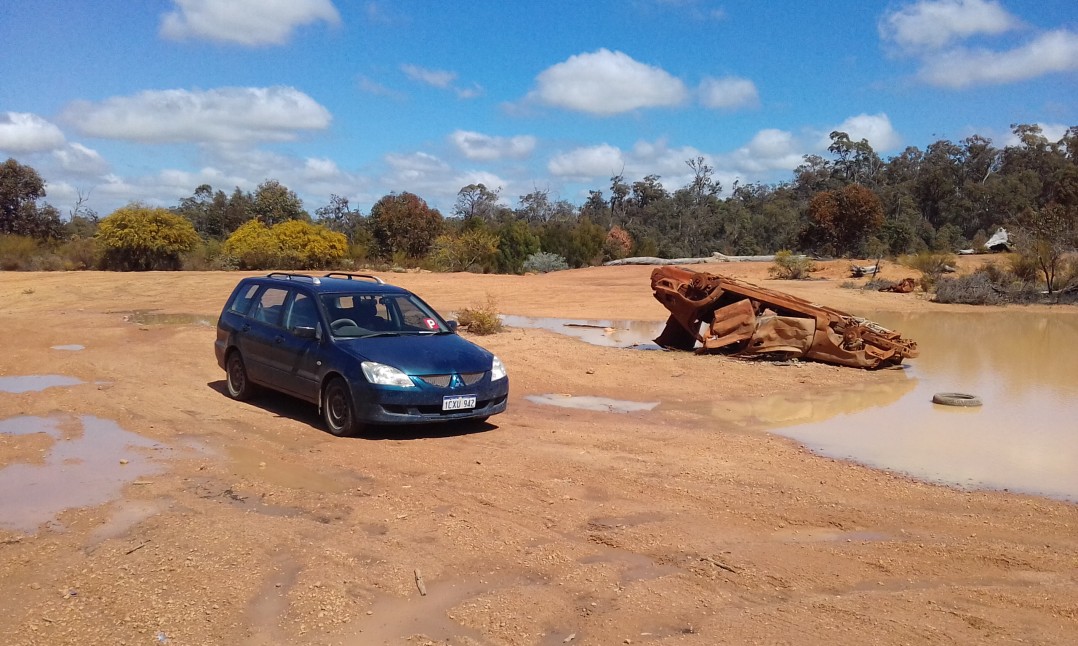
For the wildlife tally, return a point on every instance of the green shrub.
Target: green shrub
(791, 266)
(931, 264)
(542, 262)
(974, 289)
(1025, 267)
(142, 238)
(481, 319)
(294, 244)
(471, 250)
(16, 252)
(877, 284)
(80, 253)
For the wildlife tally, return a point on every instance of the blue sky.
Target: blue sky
(122, 101)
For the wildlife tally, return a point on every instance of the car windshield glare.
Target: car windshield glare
(364, 315)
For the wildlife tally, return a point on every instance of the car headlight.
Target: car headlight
(383, 375)
(497, 370)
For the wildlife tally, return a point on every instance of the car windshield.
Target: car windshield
(365, 315)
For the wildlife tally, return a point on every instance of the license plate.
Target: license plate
(458, 402)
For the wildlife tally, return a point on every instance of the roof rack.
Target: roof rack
(288, 276)
(337, 274)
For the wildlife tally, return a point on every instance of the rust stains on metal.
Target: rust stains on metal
(710, 313)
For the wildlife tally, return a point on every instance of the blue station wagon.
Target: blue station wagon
(364, 351)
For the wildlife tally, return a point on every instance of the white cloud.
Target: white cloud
(370, 86)
(607, 83)
(24, 132)
(728, 92)
(477, 146)
(1055, 51)
(437, 78)
(933, 24)
(1053, 132)
(220, 115)
(599, 163)
(768, 151)
(246, 22)
(589, 162)
(442, 79)
(320, 168)
(78, 159)
(876, 128)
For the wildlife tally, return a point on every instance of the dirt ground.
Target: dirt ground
(545, 526)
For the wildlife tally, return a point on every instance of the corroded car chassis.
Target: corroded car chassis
(711, 313)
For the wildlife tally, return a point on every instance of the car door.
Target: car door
(261, 335)
(299, 353)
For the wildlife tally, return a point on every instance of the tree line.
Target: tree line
(848, 203)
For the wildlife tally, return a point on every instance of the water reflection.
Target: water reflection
(87, 464)
(606, 332)
(1024, 438)
(791, 407)
(35, 383)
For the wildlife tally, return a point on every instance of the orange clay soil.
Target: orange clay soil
(546, 526)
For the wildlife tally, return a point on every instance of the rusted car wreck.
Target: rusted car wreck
(710, 313)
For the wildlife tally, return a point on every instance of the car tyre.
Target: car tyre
(240, 387)
(956, 399)
(338, 409)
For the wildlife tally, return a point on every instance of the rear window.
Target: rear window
(243, 299)
(268, 306)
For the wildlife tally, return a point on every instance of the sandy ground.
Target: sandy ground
(546, 526)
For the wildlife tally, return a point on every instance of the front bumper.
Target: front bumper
(421, 405)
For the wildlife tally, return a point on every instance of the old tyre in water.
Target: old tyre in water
(956, 399)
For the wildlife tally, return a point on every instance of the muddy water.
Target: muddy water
(607, 333)
(89, 463)
(1023, 365)
(35, 383)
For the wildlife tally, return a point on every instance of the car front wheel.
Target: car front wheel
(338, 409)
(239, 386)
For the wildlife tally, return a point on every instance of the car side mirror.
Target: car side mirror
(452, 325)
(304, 332)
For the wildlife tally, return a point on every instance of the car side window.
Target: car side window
(302, 313)
(243, 300)
(268, 306)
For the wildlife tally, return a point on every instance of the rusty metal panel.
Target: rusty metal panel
(713, 313)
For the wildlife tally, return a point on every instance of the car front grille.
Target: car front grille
(444, 381)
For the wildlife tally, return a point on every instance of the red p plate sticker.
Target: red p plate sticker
(431, 323)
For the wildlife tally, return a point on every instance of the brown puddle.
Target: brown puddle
(153, 317)
(89, 463)
(35, 383)
(588, 402)
(1024, 438)
(1022, 364)
(638, 335)
(392, 620)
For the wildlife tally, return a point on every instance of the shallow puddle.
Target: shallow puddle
(586, 402)
(392, 620)
(71, 347)
(35, 383)
(153, 317)
(1024, 438)
(638, 335)
(89, 463)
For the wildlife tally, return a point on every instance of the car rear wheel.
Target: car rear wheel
(239, 386)
(338, 409)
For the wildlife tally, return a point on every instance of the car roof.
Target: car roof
(335, 282)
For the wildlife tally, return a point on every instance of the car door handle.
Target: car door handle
(246, 327)
(279, 340)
